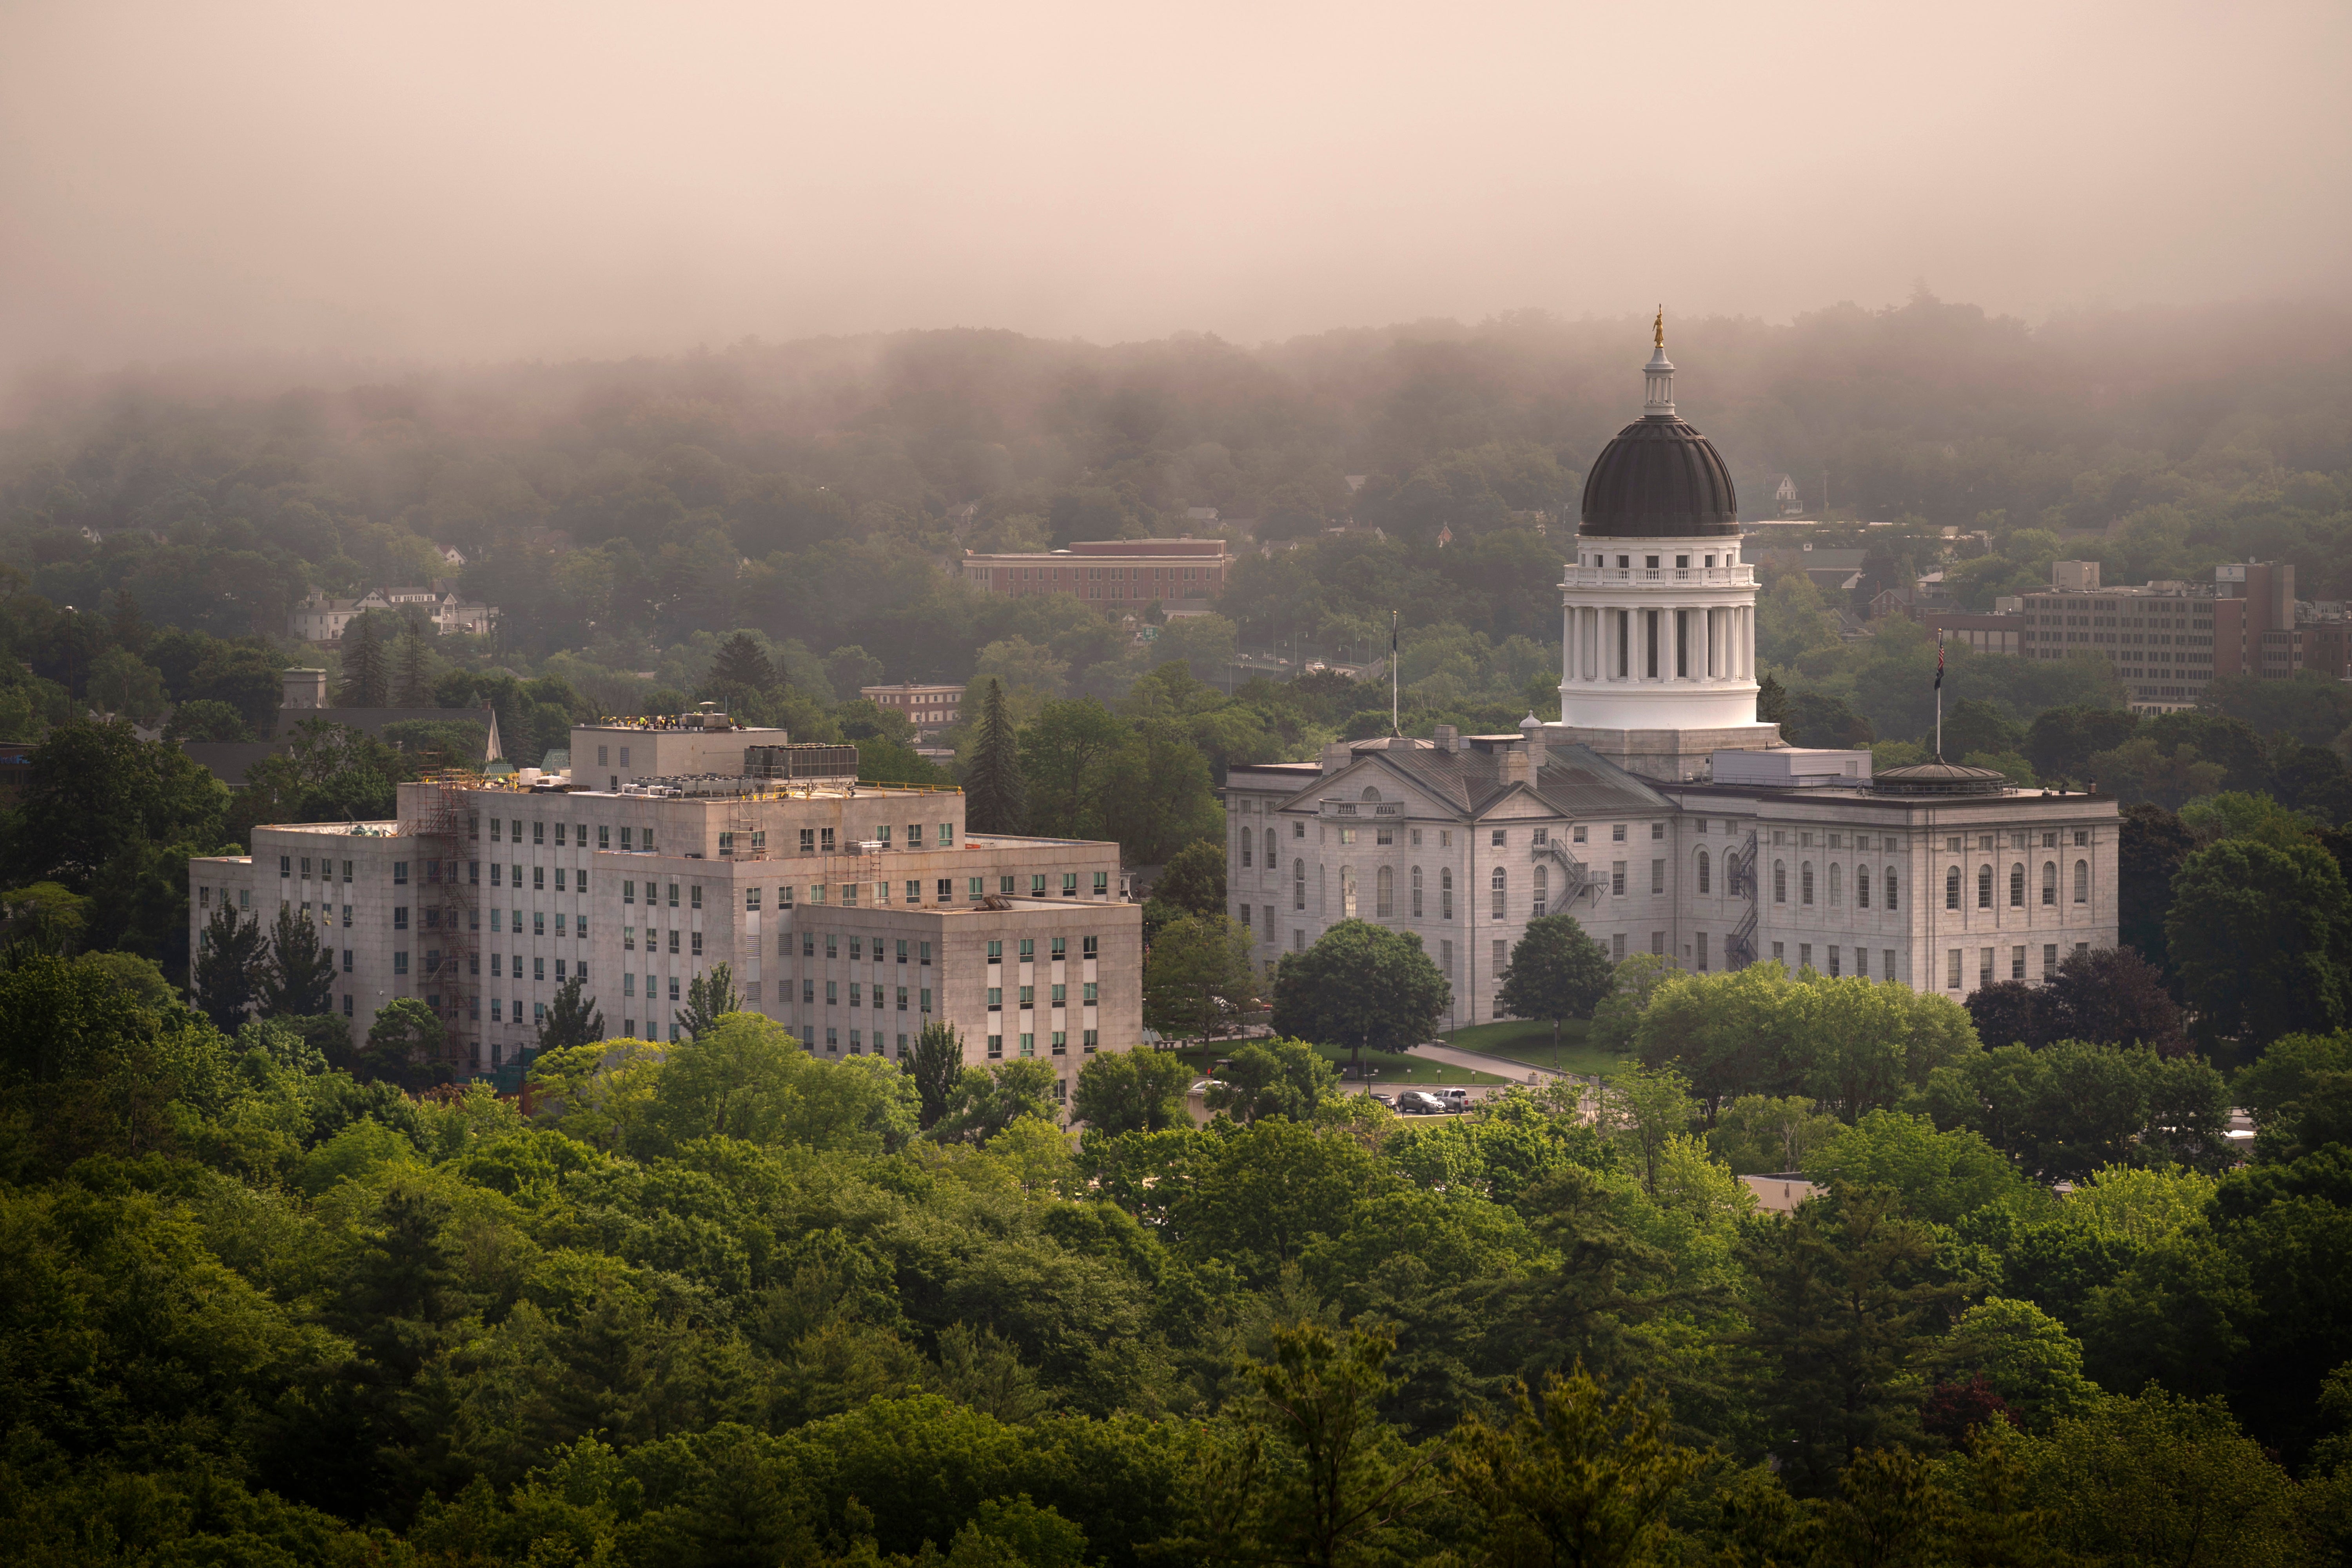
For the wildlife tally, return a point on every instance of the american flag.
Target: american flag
(1939, 661)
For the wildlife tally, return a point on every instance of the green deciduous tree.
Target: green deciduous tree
(1361, 985)
(1641, 1108)
(1557, 972)
(1574, 1480)
(1274, 1078)
(298, 979)
(1194, 880)
(2262, 940)
(986, 1101)
(1131, 1091)
(403, 1043)
(995, 791)
(1199, 978)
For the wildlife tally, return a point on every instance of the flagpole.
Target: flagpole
(1393, 675)
(1940, 694)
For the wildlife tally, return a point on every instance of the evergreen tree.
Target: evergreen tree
(129, 629)
(1771, 701)
(709, 999)
(740, 662)
(298, 979)
(1849, 1293)
(572, 1019)
(413, 681)
(1557, 972)
(995, 794)
(228, 968)
(935, 1064)
(366, 677)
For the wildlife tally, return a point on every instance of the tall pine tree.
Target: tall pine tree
(366, 674)
(740, 662)
(228, 968)
(573, 1019)
(412, 684)
(709, 999)
(297, 979)
(995, 794)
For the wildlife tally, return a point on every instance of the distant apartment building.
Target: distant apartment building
(930, 707)
(850, 913)
(323, 619)
(1181, 576)
(2167, 640)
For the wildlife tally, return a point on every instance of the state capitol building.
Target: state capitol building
(1656, 809)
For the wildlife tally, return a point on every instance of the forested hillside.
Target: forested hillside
(721, 1302)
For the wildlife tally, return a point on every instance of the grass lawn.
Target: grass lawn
(1385, 1069)
(1531, 1043)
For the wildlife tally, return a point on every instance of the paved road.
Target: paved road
(1517, 1073)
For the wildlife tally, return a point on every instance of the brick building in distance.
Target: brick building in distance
(1182, 576)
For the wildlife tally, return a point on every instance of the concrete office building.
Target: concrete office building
(1656, 810)
(854, 915)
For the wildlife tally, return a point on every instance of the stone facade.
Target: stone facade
(852, 915)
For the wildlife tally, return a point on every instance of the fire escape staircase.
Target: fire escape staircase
(1576, 878)
(450, 909)
(1740, 947)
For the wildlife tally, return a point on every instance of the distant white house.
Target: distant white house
(323, 619)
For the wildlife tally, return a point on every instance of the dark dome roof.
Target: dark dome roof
(1940, 778)
(1659, 478)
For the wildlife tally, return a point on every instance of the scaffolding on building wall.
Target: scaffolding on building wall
(446, 831)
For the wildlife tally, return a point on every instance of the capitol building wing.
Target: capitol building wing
(1656, 809)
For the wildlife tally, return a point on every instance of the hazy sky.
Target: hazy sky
(482, 181)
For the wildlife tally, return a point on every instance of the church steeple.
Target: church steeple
(1659, 374)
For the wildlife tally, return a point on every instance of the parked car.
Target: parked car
(1387, 1100)
(1419, 1102)
(1456, 1098)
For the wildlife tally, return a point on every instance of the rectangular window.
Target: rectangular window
(808, 840)
(2017, 963)
(1617, 948)
(539, 879)
(1657, 875)
(400, 873)
(400, 917)
(996, 1046)
(1834, 962)
(1088, 993)
(538, 833)
(946, 836)
(1617, 878)
(1952, 970)
(1088, 1039)
(824, 840)
(1887, 957)
(400, 962)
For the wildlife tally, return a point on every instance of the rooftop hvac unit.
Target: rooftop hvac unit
(800, 760)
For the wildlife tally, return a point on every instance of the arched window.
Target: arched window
(1542, 887)
(1705, 884)
(1837, 885)
(1952, 888)
(1984, 887)
(1890, 888)
(1370, 794)
(2050, 882)
(1347, 892)
(1862, 887)
(1271, 863)
(2017, 885)
(1446, 893)
(1298, 884)
(1384, 893)
(1805, 883)
(1249, 842)
(2081, 882)
(1779, 881)
(1497, 882)
(1416, 892)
